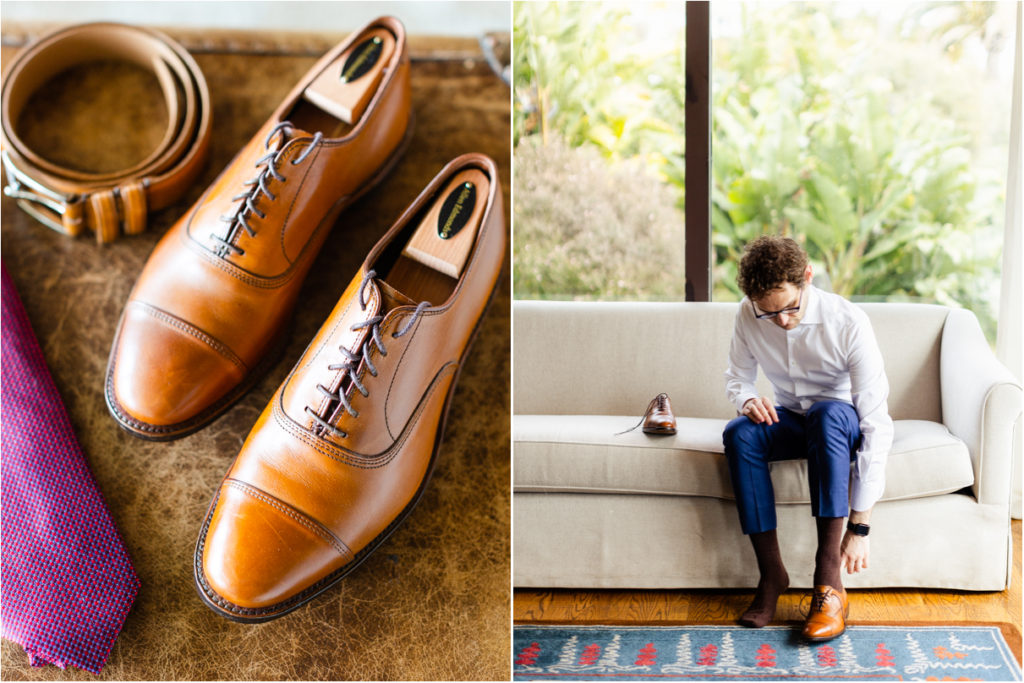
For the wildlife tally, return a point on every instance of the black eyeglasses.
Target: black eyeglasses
(773, 314)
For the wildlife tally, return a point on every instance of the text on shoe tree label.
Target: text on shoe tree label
(362, 59)
(455, 211)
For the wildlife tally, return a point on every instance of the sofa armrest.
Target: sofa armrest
(981, 401)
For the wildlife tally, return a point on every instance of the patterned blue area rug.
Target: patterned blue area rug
(886, 653)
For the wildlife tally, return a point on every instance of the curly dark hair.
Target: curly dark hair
(768, 262)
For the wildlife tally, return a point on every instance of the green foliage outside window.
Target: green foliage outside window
(879, 188)
(820, 131)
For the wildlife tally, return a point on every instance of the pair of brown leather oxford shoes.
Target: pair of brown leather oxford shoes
(343, 450)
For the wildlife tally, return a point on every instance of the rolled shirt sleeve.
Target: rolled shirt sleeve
(869, 390)
(741, 375)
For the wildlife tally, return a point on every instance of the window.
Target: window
(876, 134)
(599, 99)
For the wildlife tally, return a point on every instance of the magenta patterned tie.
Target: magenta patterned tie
(67, 583)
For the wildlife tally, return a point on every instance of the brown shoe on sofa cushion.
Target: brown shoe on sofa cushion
(659, 418)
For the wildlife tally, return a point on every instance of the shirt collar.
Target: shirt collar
(812, 306)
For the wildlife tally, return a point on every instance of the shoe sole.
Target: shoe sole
(668, 431)
(151, 432)
(822, 639)
(248, 615)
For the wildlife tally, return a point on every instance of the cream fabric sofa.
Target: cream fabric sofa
(596, 509)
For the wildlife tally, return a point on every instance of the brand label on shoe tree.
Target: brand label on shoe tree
(362, 59)
(456, 210)
(348, 84)
(446, 235)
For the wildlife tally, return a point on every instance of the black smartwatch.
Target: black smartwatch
(858, 529)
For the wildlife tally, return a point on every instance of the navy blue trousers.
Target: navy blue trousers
(827, 436)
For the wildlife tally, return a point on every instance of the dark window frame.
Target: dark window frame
(698, 151)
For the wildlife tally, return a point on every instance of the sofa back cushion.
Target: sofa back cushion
(910, 337)
(611, 358)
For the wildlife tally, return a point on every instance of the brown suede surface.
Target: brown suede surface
(433, 601)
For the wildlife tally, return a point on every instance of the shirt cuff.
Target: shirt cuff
(864, 495)
(742, 399)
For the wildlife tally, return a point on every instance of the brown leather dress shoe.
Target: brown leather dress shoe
(827, 618)
(344, 449)
(659, 418)
(212, 304)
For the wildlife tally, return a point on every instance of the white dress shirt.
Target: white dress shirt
(830, 355)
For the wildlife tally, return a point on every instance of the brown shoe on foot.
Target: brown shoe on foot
(827, 618)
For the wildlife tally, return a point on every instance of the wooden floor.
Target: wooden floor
(667, 607)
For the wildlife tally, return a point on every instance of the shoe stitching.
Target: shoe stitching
(352, 458)
(192, 424)
(269, 166)
(282, 279)
(291, 208)
(355, 364)
(303, 519)
(191, 330)
(394, 377)
(242, 275)
(306, 595)
(323, 347)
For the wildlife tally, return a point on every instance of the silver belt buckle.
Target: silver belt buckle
(28, 192)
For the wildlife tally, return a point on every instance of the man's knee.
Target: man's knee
(742, 434)
(831, 423)
(832, 415)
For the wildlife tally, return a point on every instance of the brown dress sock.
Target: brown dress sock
(827, 571)
(774, 579)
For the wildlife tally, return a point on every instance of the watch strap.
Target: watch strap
(858, 529)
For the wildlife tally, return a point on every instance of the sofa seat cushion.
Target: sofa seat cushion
(584, 454)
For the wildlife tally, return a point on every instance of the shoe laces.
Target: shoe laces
(338, 400)
(258, 186)
(817, 601)
(658, 401)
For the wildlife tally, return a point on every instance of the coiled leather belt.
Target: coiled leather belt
(109, 204)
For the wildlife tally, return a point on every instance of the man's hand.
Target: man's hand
(855, 549)
(760, 410)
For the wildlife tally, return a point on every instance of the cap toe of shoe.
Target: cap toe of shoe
(259, 555)
(165, 371)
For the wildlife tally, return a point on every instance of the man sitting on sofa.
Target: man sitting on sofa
(819, 353)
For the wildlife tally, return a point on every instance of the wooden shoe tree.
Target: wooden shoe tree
(433, 259)
(334, 101)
